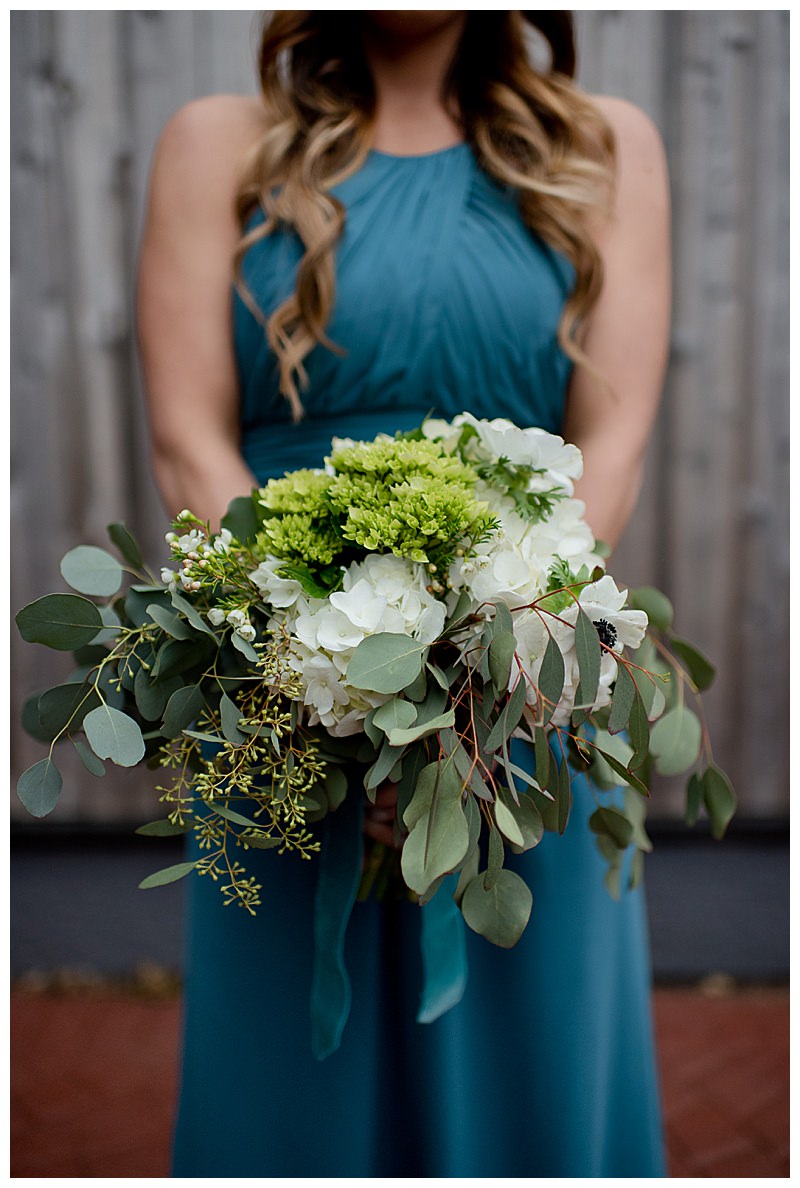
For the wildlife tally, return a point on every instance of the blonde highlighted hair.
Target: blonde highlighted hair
(533, 130)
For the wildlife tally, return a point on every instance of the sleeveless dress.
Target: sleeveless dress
(445, 302)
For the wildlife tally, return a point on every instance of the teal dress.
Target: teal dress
(445, 302)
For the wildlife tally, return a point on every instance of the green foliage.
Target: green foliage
(500, 913)
(386, 663)
(90, 570)
(60, 621)
(170, 874)
(113, 735)
(675, 740)
(125, 542)
(655, 605)
(39, 787)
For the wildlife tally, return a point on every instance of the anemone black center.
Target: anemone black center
(606, 631)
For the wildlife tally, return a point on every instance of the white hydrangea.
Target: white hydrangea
(277, 591)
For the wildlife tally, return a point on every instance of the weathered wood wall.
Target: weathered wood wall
(90, 92)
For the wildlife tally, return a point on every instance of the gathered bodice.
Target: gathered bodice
(445, 302)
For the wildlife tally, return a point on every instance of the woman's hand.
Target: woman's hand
(379, 817)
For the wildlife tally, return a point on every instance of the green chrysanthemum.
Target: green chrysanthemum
(301, 491)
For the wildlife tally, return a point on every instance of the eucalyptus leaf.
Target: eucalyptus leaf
(613, 824)
(694, 798)
(384, 765)
(30, 719)
(587, 647)
(675, 740)
(397, 714)
(241, 519)
(335, 783)
(184, 606)
(501, 654)
(438, 676)
(183, 708)
(507, 824)
(163, 828)
(170, 874)
(621, 769)
(90, 570)
(242, 645)
(622, 699)
(113, 735)
(152, 696)
(501, 914)
(137, 600)
(126, 543)
(386, 662)
(437, 842)
(65, 706)
(399, 738)
(636, 870)
(719, 799)
(110, 626)
(230, 715)
(494, 863)
(551, 679)
(529, 821)
(61, 621)
(169, 622)
(39, 787)
(701, 670)
(655, 605)
(509, 717)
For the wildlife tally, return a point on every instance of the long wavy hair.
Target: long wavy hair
(531, 129)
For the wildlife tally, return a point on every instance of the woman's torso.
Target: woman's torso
(445, 301)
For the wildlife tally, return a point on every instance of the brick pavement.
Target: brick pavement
(94, 1076)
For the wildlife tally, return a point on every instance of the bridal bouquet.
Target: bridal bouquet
(429, 609)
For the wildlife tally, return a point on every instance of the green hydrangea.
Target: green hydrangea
(299, 536)
(300, 491)
(399, 459)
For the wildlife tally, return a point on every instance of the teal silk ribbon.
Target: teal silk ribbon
(444, 957)
(337, 884)
(444, 953)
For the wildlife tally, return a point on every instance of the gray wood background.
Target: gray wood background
(90, 92)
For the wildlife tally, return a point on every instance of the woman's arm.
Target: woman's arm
(628, 335)
(184, 305)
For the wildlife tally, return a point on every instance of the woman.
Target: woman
(477, 235)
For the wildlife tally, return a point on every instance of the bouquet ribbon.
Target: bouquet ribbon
(442, 938)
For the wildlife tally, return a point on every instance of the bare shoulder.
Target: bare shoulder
(204, 143)
(637, 138)
(642, 180)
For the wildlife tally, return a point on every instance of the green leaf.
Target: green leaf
(183, 708)
(628, 776)
(501, 654)
(652, 694)
(694, 799)
(719, 799)
(121, 537)
(500, 914)
(313, 583)
(639, 731)
(230, 715)
(701, 670)
(188, 611)
(241, 519)
(111, 625)
(152, 696)
(88, 758)
(61, 621)
(335, 784)
(138, 599)
(613, 824)
(247, 649)
(587, 646)
(169, 622)
(399, 738)
(113, 735)
(39, 787)
(439, 838)
(551, 679)
(622, 699)
(675, 740)
(438, 676)
(636, 871)
(495, 857)
(90, 570)
(30, 719)
(528, 820)
(655, 605)
(388, 757)
(397, 714)
(507, 824)
(564, 796)
(65, 704)
(511, 713)
(636, 812)
(163, 828)
(170, 874)
(229, 814)
(386, 663)
(614, 745)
